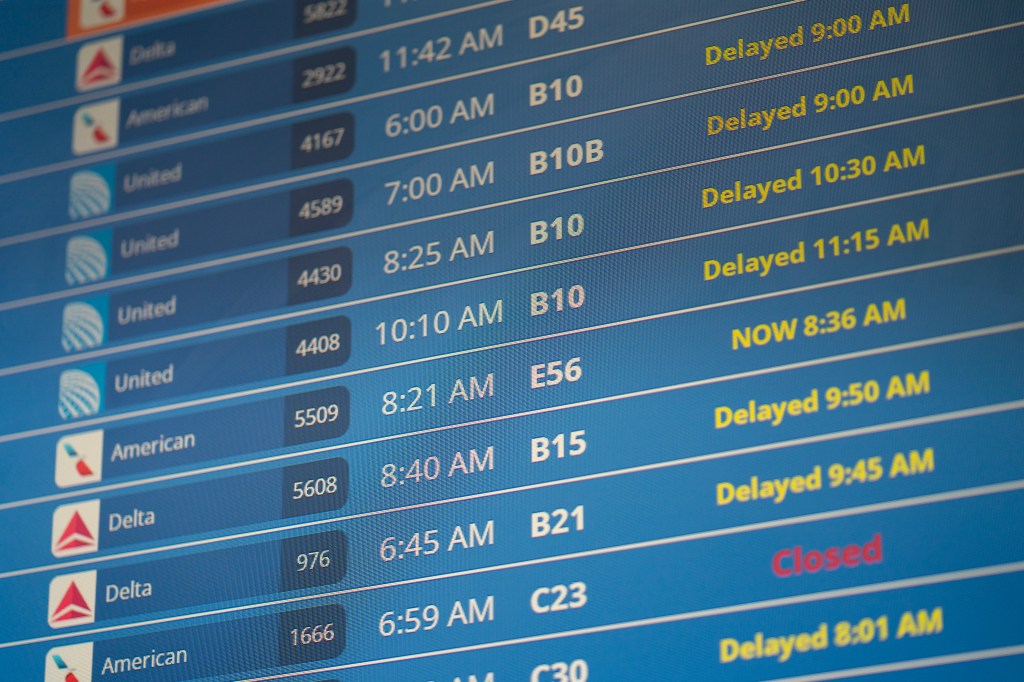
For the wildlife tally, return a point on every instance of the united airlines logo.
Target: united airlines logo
(79, 459)
(76, 529)
(85, 261)
(82, 327)
(99, 64)
(80, 394)
(90, 193)
(71, 663)
(72, 600)
(96, 127)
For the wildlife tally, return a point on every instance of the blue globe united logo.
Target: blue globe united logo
(90, 193)
(82, 327)
(85, 261)
(80, 394)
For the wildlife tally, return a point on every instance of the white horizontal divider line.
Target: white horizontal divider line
(326, 240)
(874, 588)
(879, 587)
(298, 383)
(847, 512)
(129, 88)
(490, 420)
(333, 40)
(117, 28)
(937, 418)
(298, 315)
(166, 272)
(312, 175)
(249, 462)
(911, 664)
(318, 107)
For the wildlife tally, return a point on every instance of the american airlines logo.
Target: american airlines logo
(95, 13)
(72, 663)
(96, 126)
(79, 459)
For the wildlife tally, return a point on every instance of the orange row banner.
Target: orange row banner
(90, 16)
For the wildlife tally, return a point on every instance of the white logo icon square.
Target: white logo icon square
(76, 529)
(93, 13)
(99, 64)
(72, 600)
(79, 459)
(96, 127)
(72, 663)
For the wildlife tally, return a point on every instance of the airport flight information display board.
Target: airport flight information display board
(511, 340)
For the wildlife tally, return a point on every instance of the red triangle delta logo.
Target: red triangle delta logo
(100, 70)
(76, 534)
(72, 606)
(72, 600)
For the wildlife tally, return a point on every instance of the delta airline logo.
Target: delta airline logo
(93, 13)
(72, 600)
(79, 459)
(76, 529)
(99, 64)
(96, 127)
(69, 663)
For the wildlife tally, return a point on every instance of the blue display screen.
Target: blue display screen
(511, 340)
